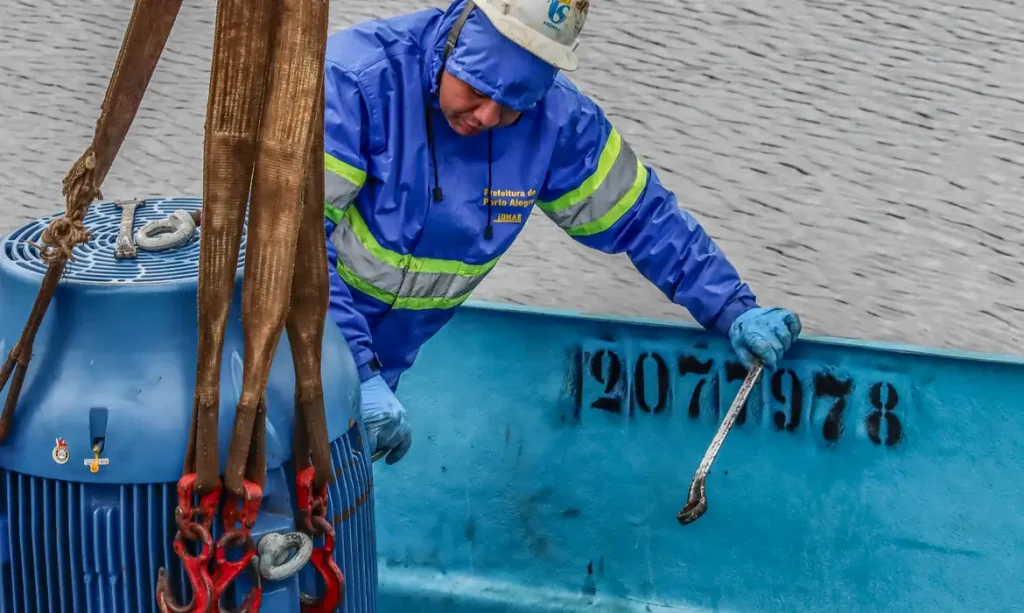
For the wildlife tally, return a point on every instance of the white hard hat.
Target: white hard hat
(549, 29)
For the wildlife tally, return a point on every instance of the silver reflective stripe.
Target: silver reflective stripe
(396, 281)
(614, 188)
(339, 192)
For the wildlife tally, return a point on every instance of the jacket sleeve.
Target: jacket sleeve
(601, 194)
(345, 138)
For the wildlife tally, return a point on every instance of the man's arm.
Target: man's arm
(345, 137)
(602, 195)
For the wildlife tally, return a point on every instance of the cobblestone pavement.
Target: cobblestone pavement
(860, 163)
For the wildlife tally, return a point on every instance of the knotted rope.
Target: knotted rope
(65, 233)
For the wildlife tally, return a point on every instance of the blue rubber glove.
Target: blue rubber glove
(765, 334)
(384, 420)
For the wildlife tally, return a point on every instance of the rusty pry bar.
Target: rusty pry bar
(224, 571)
(697, 502)
(194, 523)
(312, 515)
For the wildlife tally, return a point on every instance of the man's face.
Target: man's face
(468, 111)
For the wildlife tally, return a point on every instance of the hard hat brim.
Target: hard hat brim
(557, 55)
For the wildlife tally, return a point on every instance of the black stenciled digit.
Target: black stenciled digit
(827, 385)
(736, 371)
(884, 410)
(694, 409)
(639, 381)
(796, 401)
(688, 365)
(607, 402)
(574, 380)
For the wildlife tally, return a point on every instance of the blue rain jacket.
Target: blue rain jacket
(401, 260)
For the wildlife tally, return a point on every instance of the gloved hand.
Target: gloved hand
(765, 334)
(384, 420)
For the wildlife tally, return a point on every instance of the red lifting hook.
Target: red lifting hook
(224, 571)
(194, 524)
(195, 569)
(334, 581)
(312, 509)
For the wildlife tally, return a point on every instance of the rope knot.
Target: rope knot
(60, 238)
(67, 232)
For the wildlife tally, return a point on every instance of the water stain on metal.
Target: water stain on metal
(363, 498)
(532, 524)
(589, 586)
(542, 495)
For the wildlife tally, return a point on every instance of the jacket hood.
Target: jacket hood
(489, 62)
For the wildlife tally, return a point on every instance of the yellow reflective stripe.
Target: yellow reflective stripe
(333, 213)
(397, 302)
(608, 219)
(594, 181)
(412, 263)
(354, 175)
(336, 196)
(403, 281)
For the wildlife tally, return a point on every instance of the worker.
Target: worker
(443, 131)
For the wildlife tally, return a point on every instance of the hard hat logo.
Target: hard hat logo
(558, 11)
(550, 29)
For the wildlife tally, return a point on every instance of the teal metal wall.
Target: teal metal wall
(552, 452)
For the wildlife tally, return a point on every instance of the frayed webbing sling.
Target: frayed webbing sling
(263, 147)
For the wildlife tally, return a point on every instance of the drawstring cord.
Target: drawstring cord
(438, 194)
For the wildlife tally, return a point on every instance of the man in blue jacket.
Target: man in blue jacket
(443, 132)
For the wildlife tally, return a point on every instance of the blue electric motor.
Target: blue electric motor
(113, 369)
